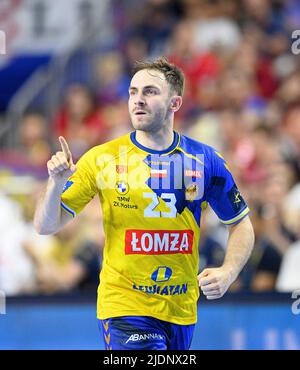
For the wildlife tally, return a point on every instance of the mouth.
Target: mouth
(140, 113)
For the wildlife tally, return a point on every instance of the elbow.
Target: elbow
(41, 229)
(43, 232)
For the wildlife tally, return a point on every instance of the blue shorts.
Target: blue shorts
(144, 333)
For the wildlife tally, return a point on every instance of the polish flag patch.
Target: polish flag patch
(158, 173)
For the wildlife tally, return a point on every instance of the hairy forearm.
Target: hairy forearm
(47, 218)
(239, 248)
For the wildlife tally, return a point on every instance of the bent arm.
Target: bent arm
(49, 217)
(239, 247)
(214, 282)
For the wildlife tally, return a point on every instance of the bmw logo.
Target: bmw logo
(122, 187)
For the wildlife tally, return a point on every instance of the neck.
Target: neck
(159, 140)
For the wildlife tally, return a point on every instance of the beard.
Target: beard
(149, 122)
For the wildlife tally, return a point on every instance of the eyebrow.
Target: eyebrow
(144, 87)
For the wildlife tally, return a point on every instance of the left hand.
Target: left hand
(214, 282)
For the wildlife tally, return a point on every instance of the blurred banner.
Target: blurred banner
(257, 322)
(34, 32)
(247, 327)
(39, 26)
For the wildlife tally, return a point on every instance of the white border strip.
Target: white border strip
(68, 209)
(242, 214)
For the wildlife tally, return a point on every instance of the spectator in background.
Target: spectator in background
(211, 245)
(117, 118)
(273, 195)
(291, 136)
(239, 91)
(112, 82)
(248, 60)
(214, 26)
(289, 91)
(242, 97)
(34, 139)
(79, 120)
(197, 66)
(17, 272)
(156, 23)
(291, 15)
(273, 233)
(289, 275)
(261, 271)
(16, 269)
(135, 49)
(74, 261)
(267, 20)
(34, 148)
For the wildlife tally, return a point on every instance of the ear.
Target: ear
(176, 102)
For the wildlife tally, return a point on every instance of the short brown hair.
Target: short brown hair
(172, 73)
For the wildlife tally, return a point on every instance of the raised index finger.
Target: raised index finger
(65, 148)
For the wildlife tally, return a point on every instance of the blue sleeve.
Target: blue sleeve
(222, 192)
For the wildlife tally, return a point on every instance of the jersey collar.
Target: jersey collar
(152, 151)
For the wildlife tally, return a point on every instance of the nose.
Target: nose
(140, 100)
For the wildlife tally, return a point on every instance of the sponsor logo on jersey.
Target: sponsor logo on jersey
(67, 185)
(142, 337)
(191, 192)
(158, 241)
(163, 273)
(156, 163)
(193, 173)
(237, 198)
(122, 187)
(162, 290)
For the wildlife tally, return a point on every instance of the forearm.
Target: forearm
(239, 248)
(49, 218)
(48, 214)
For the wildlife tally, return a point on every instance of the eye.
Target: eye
(150, 91)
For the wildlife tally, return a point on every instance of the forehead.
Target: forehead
(147, 77)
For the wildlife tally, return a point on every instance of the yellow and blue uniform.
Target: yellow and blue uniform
(144, 332)
(152, 203)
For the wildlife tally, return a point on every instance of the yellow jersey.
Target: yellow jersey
(152, 203)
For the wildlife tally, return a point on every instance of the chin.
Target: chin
(143, 126)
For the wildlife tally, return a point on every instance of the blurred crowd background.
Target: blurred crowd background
(242, 97)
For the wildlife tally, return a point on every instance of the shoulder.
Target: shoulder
(111, 149)
(197, 148)
(99, 156)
